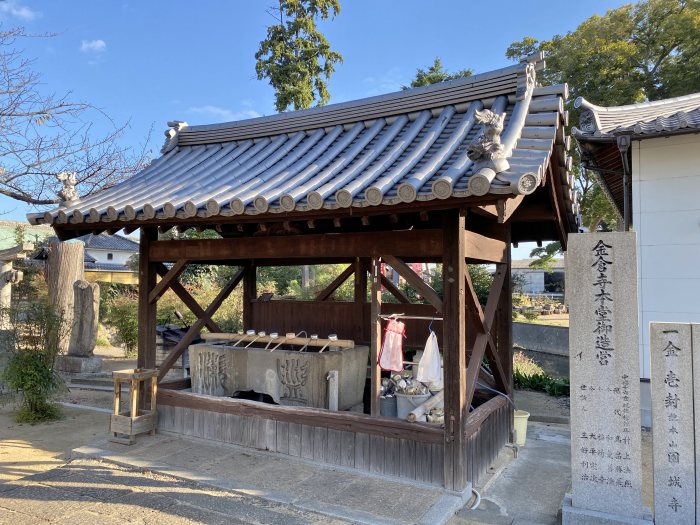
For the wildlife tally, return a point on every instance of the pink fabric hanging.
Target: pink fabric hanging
(391, 354)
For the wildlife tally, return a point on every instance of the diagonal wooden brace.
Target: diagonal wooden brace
(394, 290)
(192, 332)
(336, 283)
(483, 338)
(167, 280)
(189, 301)
(414, 280)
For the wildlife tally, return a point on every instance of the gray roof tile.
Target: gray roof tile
(401, 147)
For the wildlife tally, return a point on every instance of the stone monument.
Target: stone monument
(672, 416)
(83, 333)
(606, 464)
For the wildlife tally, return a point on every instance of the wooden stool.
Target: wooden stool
(125, 425)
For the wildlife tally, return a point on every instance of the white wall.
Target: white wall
(666, 217)
(533, 280)
(119, 257)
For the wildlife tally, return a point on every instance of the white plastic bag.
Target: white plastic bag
(429, 369)
(391, 355)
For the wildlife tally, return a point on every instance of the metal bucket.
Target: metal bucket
(405, 403)
(387, 406)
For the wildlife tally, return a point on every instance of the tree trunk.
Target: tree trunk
(64, 266)
(86, 315)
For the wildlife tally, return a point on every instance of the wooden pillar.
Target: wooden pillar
(504, 334)
(250, 293)
(376, 336)
(454, 269)
(360, 299)
(147, 310)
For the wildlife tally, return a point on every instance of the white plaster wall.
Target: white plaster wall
(533, 280)
(666, 217)
(100, 256)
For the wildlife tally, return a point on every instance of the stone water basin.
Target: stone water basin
(290, 377)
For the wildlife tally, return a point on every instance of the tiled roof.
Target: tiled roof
(524, 264)
(661, 117)
(104, 241)
(396, 148)
(107, 267)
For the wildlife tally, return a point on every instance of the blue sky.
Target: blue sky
(152, 61)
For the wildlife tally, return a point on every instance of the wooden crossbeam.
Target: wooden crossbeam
(336, 283)
(506, 208)
(414, 280)
(165, 282)
(394, 290)
(192, 332)
(189, 301)
(482, 249)
(483, 338)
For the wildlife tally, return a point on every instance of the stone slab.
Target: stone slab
(604, 360)
(672, 423)
(74, 364)
(576, 516)
(695, 336)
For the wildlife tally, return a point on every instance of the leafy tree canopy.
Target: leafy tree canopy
(545, 255)
(436, 73)
(295, 57)
(637, 52)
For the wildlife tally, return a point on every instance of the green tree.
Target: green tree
(296, 57)
(644, 51)
(434, 74)
(545, 255)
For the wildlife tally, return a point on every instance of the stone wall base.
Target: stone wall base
(74, 364)
(577, 516)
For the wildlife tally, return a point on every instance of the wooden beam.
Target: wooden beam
(314, 417)
(336, 283)
(507, 207)
(376, 337)
(504, 326)
(193, 331)
(250, 294)
(147, 310)
(423, 288)
(484, 322)
(427, 243)
(454, 332)
(483, 338)
(394, 290)
(189, 301)
(482, 249)
(162, 286)
(360, 296)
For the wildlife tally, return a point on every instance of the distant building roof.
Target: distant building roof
(599, 128)
(104, 241)
(107, 267)
(524, 264)
(645, 120)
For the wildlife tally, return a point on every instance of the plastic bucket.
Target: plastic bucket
(520, 425)
(405, 403)
(387, 406)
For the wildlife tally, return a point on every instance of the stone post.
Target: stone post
(672, 420)
(64, 265)
(86, 313)
(606, 464)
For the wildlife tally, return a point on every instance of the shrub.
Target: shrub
(33, 341)
(123, 315)
(529, 375)
(531, 315)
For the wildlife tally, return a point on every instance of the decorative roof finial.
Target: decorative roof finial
(68, 192)
(171, 135)
(487, 152)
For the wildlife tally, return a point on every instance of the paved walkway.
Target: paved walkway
(338, 493)
(89, 492)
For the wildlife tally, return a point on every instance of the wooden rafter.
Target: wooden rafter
(189, 301)
(167, 280)
(506, 208)
(484, 339)
(193, 330)
(414, 280)
(324, 294)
